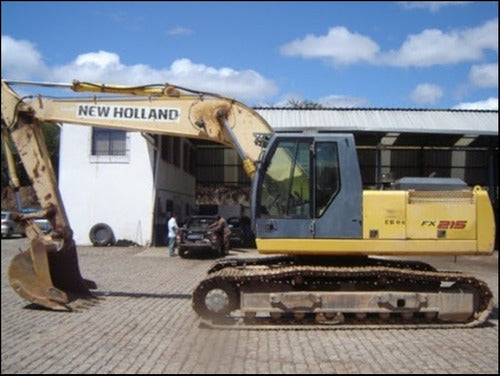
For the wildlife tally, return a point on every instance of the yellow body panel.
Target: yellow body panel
(384, 214)
(420, 215)
(327, 247)
(485, 222)
(408, 223)
(441, 215)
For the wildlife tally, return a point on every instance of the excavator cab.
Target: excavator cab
(308, 186)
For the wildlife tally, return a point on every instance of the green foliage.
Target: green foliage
(294, 103)
(51, 133)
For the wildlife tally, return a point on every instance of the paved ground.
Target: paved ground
(144, 324)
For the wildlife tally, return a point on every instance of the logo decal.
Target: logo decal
(445, 224)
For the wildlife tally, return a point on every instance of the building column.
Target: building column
(458, 160)
(230, 166)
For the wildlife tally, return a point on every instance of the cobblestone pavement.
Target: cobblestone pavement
(144, 323)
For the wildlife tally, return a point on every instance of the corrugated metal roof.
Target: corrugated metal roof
(384, 120)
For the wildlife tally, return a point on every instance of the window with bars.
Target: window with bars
(109, 142)
(109, 146)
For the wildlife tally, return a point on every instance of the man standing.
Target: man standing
(172, 234)
(223, 232)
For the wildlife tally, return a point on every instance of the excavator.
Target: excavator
(324, 243)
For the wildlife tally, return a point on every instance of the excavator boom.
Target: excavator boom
(48, 273)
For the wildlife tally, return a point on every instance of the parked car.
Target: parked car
(241, 232)
(43, 223)
(197, 239)
(9, 226)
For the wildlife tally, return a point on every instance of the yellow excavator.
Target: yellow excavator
(318, 231)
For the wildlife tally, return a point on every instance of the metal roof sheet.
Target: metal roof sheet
(462, 122)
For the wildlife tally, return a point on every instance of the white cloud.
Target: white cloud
(244, 85)
(488, 104)
(432, 6)
(179, 31)
(21, 61)
(340, 45)
(485, 75)
(330, 101)
(343, 101)
(435, 47)
(100, 59)
(428, 48)
(426, 94)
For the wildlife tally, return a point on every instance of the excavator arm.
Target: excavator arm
(158, 109)
(48, 273)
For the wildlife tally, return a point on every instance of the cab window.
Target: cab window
(286, 184)
(327, 175)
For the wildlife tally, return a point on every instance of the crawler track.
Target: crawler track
(227, 280)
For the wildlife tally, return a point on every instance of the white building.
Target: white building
(133, 182)
(129, 181)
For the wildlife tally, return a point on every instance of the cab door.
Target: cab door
(283, 196)
(338, 190)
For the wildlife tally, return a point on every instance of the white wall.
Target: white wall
(119, 192)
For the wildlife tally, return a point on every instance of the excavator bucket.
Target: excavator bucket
(47, 277)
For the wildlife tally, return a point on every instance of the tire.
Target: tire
(183, 253)
(101, 235)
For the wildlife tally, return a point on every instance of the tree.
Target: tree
(51, 133)
(294, 103)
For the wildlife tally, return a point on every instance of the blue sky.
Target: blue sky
(343, 54)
